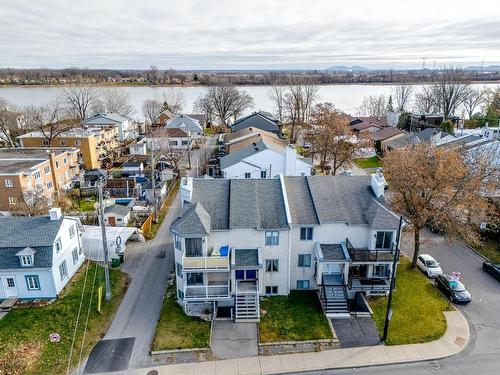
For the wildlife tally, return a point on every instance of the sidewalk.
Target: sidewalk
(454, 340)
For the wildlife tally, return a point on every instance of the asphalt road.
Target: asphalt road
(482, 354)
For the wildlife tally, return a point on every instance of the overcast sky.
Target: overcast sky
(249, 34)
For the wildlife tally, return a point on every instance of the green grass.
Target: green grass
(85, 205)
(296, 317)
(490, 249)
(417, 309)
(373, 162)
(24, 333)
(163, 211)
(176, 330)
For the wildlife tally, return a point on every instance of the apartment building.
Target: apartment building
(238, 240)
(125, 127)
(95, 144)
(27, 169)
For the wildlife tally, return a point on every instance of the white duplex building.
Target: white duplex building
(240, 239)
(38, 255)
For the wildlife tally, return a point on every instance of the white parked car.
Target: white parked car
(429, 266)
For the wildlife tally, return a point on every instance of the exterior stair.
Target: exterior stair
(334, 301)
(247, 308)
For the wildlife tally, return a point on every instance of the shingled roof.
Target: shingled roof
(256, 120)
(194, 221)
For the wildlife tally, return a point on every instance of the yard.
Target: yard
(296, 317)
(25, 347)
(417, 309)
(176, 330)
(490, 249)
(373, 162)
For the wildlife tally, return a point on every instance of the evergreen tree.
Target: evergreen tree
(390, 107)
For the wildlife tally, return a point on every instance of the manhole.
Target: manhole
(434, 365)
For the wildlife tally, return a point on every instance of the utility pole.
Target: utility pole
(388, 314)
(153, 187)
(104, 240)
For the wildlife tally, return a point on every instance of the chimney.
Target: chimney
(378, 183)
(55, 213)
(186, 189)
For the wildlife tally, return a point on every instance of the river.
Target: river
(345, 97)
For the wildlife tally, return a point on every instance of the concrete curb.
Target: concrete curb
(453, 341)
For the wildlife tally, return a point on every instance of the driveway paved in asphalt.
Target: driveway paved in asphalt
(234, 340)
(109, 356)
(356, 332)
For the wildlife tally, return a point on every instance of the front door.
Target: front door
(246, 274)
(9, 286)
(112, 221)
(333, 268)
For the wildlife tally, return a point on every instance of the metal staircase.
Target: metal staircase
(247, 305)
(334, 301)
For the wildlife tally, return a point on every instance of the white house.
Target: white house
(126, 126)
(238, 240)
(117, 215)
(187, 124)
(138, 148)
(38, 255)
(263, 157)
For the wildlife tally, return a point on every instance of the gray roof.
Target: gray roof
(117, 209)
(185, 123)
(194, 221)
(380, 217)
(332, 252)
(106, 119)
(246, 257)
(17, 233)
(300, 201)
(256, 120)
(235, 157)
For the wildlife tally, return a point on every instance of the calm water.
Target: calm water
(345, 97)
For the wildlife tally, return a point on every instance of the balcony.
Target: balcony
(205, 263)
(374, 284)
(367, 255)
(201, 292)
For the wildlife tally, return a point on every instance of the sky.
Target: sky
(250, 34)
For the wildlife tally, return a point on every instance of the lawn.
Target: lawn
(24, 333)
(373, 162)
(490, 249)
(417, 309)
(85, 205)
(296, 317)
(163, 211)
(176, 330)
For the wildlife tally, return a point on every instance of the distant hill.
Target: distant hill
(490, 68)
(344, 68)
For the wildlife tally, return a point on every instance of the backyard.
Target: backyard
(296, 317)
(417, 308)
(176, 330)
(25, 347)
(373, 162)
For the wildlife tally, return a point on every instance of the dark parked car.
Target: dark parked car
(493, 269)
(454, 290)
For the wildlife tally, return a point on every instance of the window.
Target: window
(247, 175)
(58, 245)
(46, 170)
(75, 255)
(177, 242)
(306, 234)
(172, 143)
(49, 185)
(271, 290)
(302, 284)
(78, 142)
(65, 161)
(72, 231)
(80, 250)
(272, 265)
(63, 142)
(26, 261)
(178, 269)
(193, 247)
(180, 294)
(63, 270)
(79, 155)
(384, 240)
(263, 174)
(195, 278)
(9, 183)
(33, 282)
(37, 174)
(45, 142)
(272, 238)
(12, 200)
(381, 270)
(184, 143)
(304, 260)
(57, 164)
(10, 282)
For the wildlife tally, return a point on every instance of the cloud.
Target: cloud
(216, 34)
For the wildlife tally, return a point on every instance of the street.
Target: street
(482, 355)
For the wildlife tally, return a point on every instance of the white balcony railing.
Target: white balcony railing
(206, 291)
(207, 263)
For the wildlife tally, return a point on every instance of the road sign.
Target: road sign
(54, 337)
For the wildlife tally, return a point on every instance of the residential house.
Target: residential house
(259, 120)
(385, 136)
(131, 168)
(187, 124)
(162, 118)
(368, 123)
(237, 240)
(202, 119)
(125, 126)
(24, 170)
(429, 135)
(38, 255)
(117, 215)
(12, 122)
(419, 121)
(138, 148)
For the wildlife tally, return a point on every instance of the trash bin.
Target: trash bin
(120, 257)
(115, 262)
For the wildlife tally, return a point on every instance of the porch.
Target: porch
(364, 254)
(201, 286)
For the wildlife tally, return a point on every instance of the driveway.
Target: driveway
(234, 340)
(356, 332)
(140, 309)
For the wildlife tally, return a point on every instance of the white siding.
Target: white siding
(45, 279)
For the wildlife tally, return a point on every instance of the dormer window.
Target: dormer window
(26, 257)
(26, 260)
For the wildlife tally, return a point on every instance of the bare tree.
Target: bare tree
(474, 98)
(437, 185)
(426, 100)
(153, 76)
(80, 101)
(451, 90)
(224, 101)
(277, 95)
(402, 93)
(47, 119)
(151, 109)
(173, 100)
(31, 203)
(5, 131)
(115, 101)
(373, 105)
